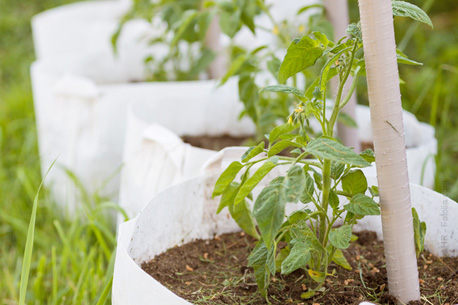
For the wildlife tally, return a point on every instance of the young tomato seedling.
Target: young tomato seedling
(324, 176)
(319, 183)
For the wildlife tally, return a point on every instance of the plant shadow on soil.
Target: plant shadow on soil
(215, 272)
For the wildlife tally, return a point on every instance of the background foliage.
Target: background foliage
(72, 260)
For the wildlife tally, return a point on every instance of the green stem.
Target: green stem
(342, 82)
(329, 229)
(352, 89)
(342, 193)
(325, 197)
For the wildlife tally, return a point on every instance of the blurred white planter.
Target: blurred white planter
(87, 27)
(78, 27)
(186, 212)
(420, 141)
(155, 157)
(81, 109)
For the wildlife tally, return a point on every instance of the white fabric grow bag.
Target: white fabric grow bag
(87, 27)
(155, 157)
(81, 109)
(80, 27)
(420, 141)
(186, 212)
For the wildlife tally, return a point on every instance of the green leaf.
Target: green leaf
(253, 152)
(248, 14)
(278, 180)
(228, 196)
(254, 180)
(188, 17)
(317, 177)
(340, 237)
(258, 49)
(273, 66)
(337, 170)
(362, 205)
(241, 213)
(259, 260)
(347, 120)
(329, 149)
(374, 190)
(354, 182)
(284, 89)
(403, 59)
(298, 216)
(294, 183)
(317, 276)
(368, 155)
(406, 9)
(322, 39)
(419, 230)
(203, 62)
(248, 93)
(298, 257)
(269, 212)
(333, 200)
(300, 55)
(226, 178)
(280, 146)
(340, 260)
(326, 71)
(308, 294)
(234, 68)
(296, 151)
(307, 7)
(281, 130)
(230, 22)
(280, 258)
(354, 29)
(309, 189)
(311, 88)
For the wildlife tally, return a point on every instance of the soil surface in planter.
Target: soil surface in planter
(215, 272)
(220, 142)
(217, 142)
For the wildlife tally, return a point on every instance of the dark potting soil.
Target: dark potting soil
(215, 142)
(215, 272)
(220, 142)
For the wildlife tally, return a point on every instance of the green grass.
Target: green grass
(72, 260)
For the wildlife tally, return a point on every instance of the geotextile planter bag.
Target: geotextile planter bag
(186, 212)
(420, 141)
(83, 27)
(81, 107)
(155, 157)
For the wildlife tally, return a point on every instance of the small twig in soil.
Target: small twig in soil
(234, 243)
(443, 263)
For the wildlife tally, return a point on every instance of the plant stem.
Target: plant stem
(352, 89)
(342, 82)
(325, 198)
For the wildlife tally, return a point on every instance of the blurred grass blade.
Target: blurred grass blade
(29, 245)
(105, 293)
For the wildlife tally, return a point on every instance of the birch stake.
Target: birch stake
(389, 144)
(337, 12)
(218, 67)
